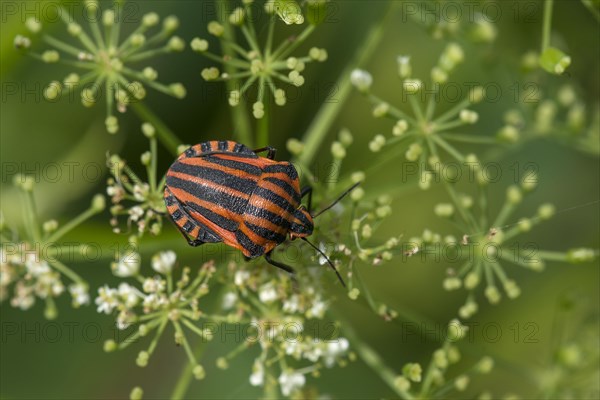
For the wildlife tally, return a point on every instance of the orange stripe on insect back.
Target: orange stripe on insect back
(210, 185)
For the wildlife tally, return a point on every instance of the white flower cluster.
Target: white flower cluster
(33, 278)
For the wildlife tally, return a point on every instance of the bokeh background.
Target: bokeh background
(64, 358)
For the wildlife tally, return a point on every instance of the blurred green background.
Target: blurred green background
(64, 358)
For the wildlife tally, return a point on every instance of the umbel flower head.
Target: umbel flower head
(259, 63)
(485, 246)
(147, 197)
(30, 263)
(423, 130)
(105, 59)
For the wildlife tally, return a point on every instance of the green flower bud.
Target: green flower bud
(50, 56)
(400, 128)
(199, 45)
(468, 116)
(53, 90)
(414, 152)
(150, 19)
(215, 29)
(176, 44)
(513, 194)
(508, 134)
(402, 383)
(171, 23)
(237, 16)
(178, 90)
(404, 67)
(354, 293)
(138, 39)
(142, 359)
(294, 146)
(98, 203)
(471, 280)
(108, 17)
(110, 345)
(199, 372)
(361, 79)
(22, 42)
(438, 75)
(412, 371)
(581, 255)
(357, 194)
(112, 124)
(477, 94)
(554, 61)
(546, 211)
(492, 294)
(345, 137)
(456, 330)
(258, 110)
(234, 98)
(338, 151)
(136, 393)
(461, 383)
(512, 290)
(222, 363)
(452, 283)
(412, 86)
(357, 176)
(381, 110)
(485, 365)
(33, 25)
(148, 130)
(444, 210)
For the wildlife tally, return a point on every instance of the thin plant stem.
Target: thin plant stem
(370, 357)
(164, 134)
(547, 24)
(316, 132)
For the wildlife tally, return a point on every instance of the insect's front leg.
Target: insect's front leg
(271, 151)
(307, 190)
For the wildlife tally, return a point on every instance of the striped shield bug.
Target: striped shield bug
(221, 191)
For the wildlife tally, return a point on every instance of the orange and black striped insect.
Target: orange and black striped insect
(221, 191)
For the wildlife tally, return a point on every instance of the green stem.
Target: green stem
(165, 135)
(318, 128)
(63, 230)
(262, 125)
(547, 24)
(371, 358)
(241, 122)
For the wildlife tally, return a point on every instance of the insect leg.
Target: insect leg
(284, 267)
(271, 151)
(307, 190)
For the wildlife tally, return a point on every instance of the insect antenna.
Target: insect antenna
(337, 200)
(327, 258)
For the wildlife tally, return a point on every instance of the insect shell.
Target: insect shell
(221, 191)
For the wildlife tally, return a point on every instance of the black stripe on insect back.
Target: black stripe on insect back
(288, 169)
(266, 233)
(267, 215)
(273, 198)
(221, 221)
(222, 145)
(231, 202)
(216, 176)
(289, 189)
(205, 147)
(239, 165)
(254, 249)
